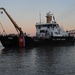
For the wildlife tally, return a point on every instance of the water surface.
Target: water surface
(38, 61)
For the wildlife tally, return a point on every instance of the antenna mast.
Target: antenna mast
(40, 16)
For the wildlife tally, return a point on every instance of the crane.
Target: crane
(21, 37)
(14, 23)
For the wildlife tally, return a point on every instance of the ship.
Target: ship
(51, 33)
(47, 34)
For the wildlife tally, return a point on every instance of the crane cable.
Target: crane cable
(2, 28)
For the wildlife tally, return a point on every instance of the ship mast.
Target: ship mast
(40, 16)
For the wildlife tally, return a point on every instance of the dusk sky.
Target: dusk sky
(26, 13)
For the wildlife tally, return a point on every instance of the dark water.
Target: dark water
(38, 61)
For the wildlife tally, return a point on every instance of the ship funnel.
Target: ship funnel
(49, 17)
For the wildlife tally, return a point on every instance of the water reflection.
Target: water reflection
(38, 61)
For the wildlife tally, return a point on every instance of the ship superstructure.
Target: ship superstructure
(50, 33)
(49, 29)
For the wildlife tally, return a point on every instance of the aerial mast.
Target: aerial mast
(40, 16)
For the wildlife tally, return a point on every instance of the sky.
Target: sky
(26, 14)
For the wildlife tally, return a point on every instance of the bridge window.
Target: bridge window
(39, 27)
(42, 31)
